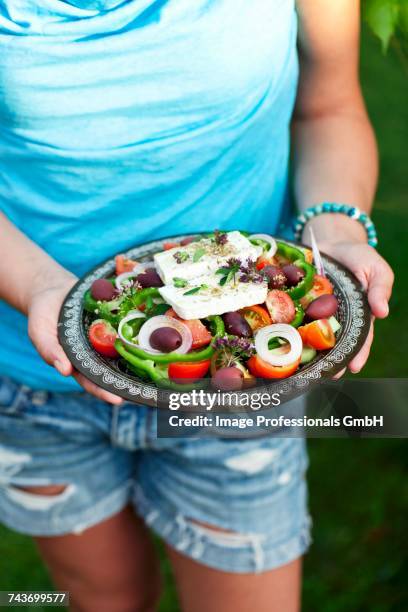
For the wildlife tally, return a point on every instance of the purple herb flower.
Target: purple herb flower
(220, 238)
(234, 262)
(240, 348)
(129, 287)
(250, 274)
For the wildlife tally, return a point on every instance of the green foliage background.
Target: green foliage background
(358, 488)
(388, 19)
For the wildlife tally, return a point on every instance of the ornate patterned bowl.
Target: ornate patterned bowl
(114, 376)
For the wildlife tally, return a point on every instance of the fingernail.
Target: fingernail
(58, 365)
(385, 308)
(114, 400)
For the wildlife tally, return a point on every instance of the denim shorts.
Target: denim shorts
(253, 491)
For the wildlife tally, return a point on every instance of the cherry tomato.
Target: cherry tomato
(201, 335)
(280, 306)
(191, 370)
(321, 286)
(262, 369)
(169, 245)
(264, 260)
(123, 264)
(318, 335)
(256, 316)
(102, 337)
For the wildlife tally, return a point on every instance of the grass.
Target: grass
(358, 489)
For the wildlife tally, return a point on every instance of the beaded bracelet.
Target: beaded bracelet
(330, 207)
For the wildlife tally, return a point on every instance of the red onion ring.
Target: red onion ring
(278, 330)
(271, 241)
(138, 269)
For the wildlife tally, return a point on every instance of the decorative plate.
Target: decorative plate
(353, 314)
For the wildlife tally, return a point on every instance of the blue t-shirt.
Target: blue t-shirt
(127, 120)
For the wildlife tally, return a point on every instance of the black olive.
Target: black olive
(165, 339)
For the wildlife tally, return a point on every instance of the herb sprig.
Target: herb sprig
(179, 282)
(128, 293)
(220, 238)
(195, 290)
(198, 254)
(234, 347)
(229, 271)
(180, 256)
(235, 270)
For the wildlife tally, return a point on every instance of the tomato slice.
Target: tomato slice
(170, 245)
(102, 337)
(264, 260)
(201, 335)
(191, 370)
(256, 316)
(280, 306)
(318, 334)
(308, 253)
(123, 264)
(321, 286)
(262, 369)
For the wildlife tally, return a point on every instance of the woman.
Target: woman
(123, 121)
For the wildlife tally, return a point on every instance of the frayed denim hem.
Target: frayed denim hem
(49, 523)
(222, 550)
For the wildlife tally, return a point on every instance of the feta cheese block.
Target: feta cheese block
(203, 257)
(209, 298)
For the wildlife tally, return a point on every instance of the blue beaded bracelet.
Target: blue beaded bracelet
(330, 207)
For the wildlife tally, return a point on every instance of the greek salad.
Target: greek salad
(222, 309)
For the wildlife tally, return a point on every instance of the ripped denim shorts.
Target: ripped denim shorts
(253, 491)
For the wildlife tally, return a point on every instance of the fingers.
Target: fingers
(96, 391)
(360, 359)
(44, 337)
(379, 289)
(339, 374)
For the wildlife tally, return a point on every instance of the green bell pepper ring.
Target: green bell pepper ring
(148, 368)
(202, 355)
(216, 325)
(156, 310)
(218, 328)
(145, 296)
(289, 252)
(299, 315)
(262, 243)
(90, 305)
(305, 284)
(144, 365)
(131, 328)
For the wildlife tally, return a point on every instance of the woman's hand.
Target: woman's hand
(375, 275)
(37, 288)
(334, 148)
(44, 305)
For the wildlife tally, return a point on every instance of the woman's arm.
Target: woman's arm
(335, 154)
(35, 284)
(25, 269)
